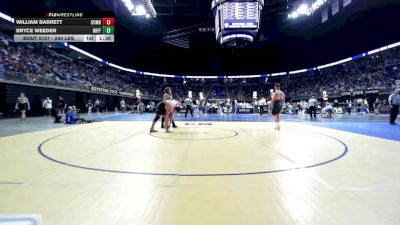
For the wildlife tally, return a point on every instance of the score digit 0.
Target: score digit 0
(108, 30)
(108, 21)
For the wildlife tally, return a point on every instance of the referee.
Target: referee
(312, 104)
(394, 102)
(188, 105)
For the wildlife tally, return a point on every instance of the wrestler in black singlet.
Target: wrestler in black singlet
(160, 109)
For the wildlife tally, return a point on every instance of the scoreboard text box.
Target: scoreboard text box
(68, 27)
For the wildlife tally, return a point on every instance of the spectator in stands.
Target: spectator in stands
(57, 117)
(70, 116)
(31, 63)
(394, 102)
(207, 106)
(221, 107)
(122, 106)
(377, 106)
(140, 106)
(79, 119)
(97, 105)
(89, 106)
(262, 103)
(349, 107)
(2, 69)
(61, 105)
(152, 106)
(290, 109)
(48, 106)
(167, 94)
(22, 105)
(103, 107)
(366, 104)
(364, 109)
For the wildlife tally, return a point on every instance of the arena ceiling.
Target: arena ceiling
(180, 40)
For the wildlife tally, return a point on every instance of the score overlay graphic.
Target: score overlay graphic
(64, 27)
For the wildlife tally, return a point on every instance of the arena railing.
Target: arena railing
(105, 62)
(40, 81)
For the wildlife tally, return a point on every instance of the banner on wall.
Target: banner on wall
(110, 91)
(371, 91)
(358, 93)
(347, 93)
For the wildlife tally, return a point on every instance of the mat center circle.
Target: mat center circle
(121, 149)
(193, 133)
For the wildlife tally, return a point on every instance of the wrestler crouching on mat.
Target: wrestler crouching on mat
(166, 109)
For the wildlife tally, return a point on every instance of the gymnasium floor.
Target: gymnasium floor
(219, 170)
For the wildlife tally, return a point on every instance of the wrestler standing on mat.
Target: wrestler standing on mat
(167, 96)
(166, 109)
(278, 98)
